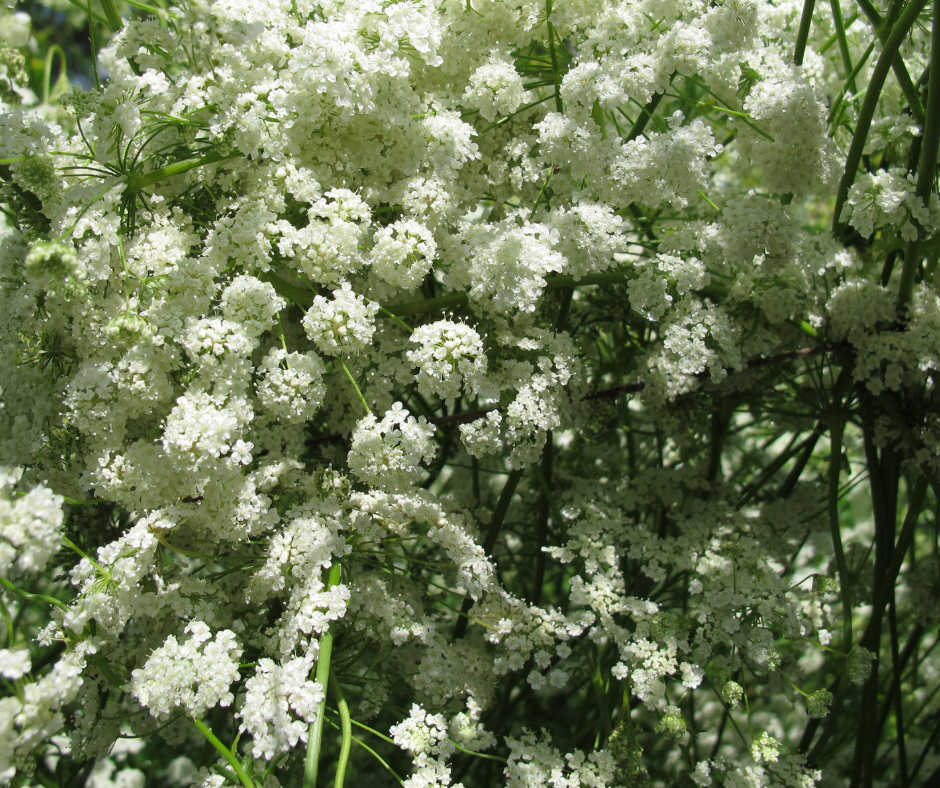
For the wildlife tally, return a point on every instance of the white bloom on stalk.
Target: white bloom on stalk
(280, 703)
(495, 88)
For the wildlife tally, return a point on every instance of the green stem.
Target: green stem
(31, 597)
(556, 76)
(897, 65)
(8, 623)
(111, 14)
(226, 753)
(489, 540)
(137, 182)
(806, 19)
(927, 168)
(356, 387)
(835, 461)
(92, 38)
(843, 42)
(78, 550)
(324, 657)
(867, 113)
(374, 754)
(346, 728)
(47, 74)
(850, 80)
(86, 502)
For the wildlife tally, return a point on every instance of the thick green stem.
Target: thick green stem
(324, 658)
(346, 729)
(845, 583)
(111, 14)
(803, 33)
(927, 168)
(869, 105)
(900, 70)
(226, 753)
(489, 540)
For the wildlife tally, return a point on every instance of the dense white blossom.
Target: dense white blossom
(388, 453)
(30, 525)
(280, 703)
(194, 675)
(291, 386)
(450, 358)
(580, 264)
(343, 325)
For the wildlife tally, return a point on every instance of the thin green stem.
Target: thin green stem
(843, 42)
(556, 75)
(489, 540)
(479, 754)
(92, 38)
(372, 752)
(352, 380)
(32, 597)
(78, 550)
(226, 753)
(47, 91)
(324, 658)
(837, 104)
(86, 502)
(397, 319)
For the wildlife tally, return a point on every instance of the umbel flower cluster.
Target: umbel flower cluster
(478, 393)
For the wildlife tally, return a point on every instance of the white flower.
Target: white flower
(14, 663)
(403, 253)
(388, 453)
(294, 391)
(30, 525)
(252, 304)
(765, 748)
(450, 357)
(495, 88)
(887, 199)
(194, 675)
(280, 703)
(342, 326)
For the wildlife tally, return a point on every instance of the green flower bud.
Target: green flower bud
(672, 724)
(859, 664)
(817, 704)
(732, 693)
(50, 261)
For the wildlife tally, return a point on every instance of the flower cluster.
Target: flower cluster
(640, 299)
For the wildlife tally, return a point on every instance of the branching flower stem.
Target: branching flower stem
(324, 657)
